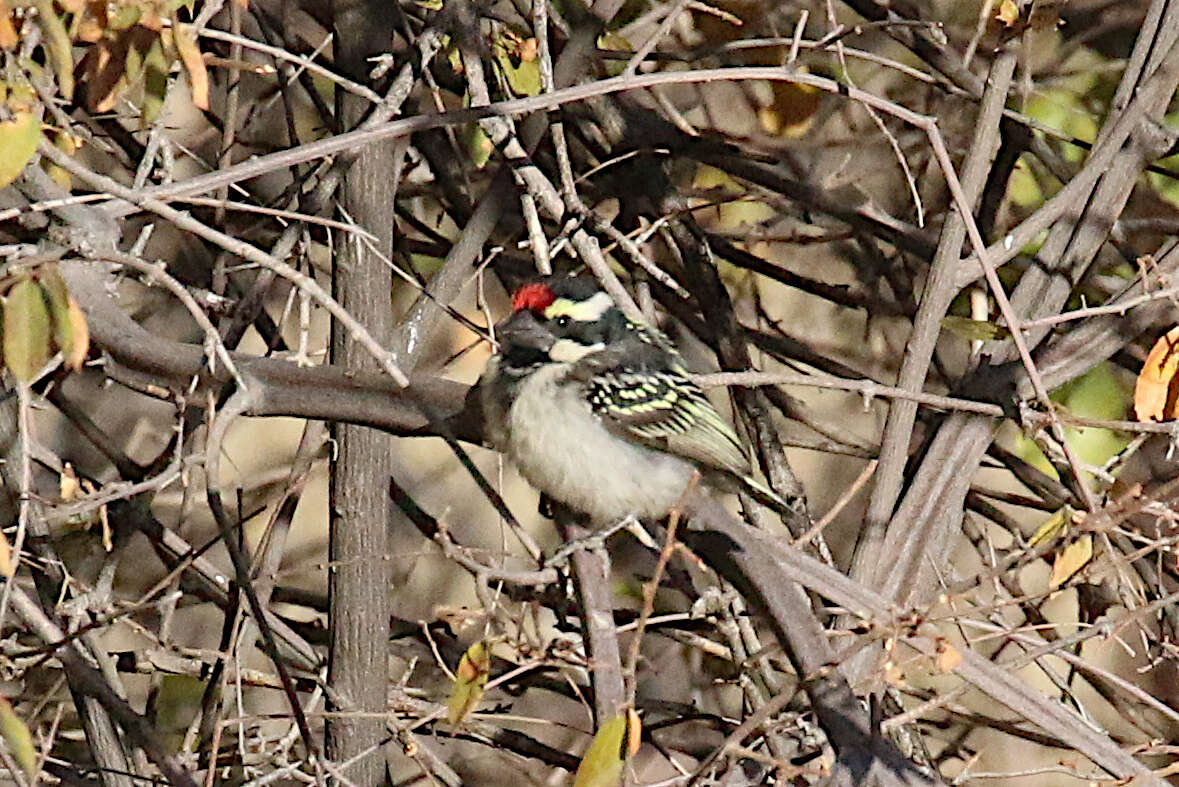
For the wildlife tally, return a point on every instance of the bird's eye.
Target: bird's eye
(563, 321)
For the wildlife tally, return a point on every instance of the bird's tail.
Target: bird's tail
(769, 497)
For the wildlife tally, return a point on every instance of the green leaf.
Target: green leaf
(177, 704)
(617, 740)
(1100, 394)
(1023, 188)
(155, 81)
(974, 330)
(61, 52)
(54, 287)
(26, 330)
(18, 142)
(1053, 527)
(469, 680)
(17, 738)
(521, 67)
(194, 65)
(126, 15)
(479, 146)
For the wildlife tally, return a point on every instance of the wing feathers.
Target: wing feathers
(666, 411)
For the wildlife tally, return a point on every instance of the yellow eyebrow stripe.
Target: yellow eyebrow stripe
(582, 311)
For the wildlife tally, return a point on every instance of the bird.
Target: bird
(598, 412)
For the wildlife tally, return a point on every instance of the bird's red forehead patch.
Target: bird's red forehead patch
(536, 297)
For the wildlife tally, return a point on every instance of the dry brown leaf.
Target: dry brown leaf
(634, 732)
(194, 65)
(8, 35)
(6, 567)
(792, 111)
(104, 69)
(104, 519)
(948, 656)
(1156, 393)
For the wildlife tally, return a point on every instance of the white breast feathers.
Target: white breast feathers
(576, 460)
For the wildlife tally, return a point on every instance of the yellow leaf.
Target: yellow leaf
(20, 96)
(1156, 392)
(18, 143)
(1007, 13)
(614, 42)
(77, 354)
(67, 483)
(17, 738)
(1071, 560)
(617, 740)
(194, 64)
(1054, 527)
(26, 330)
(707, 177)
(68, 144)
(469, 680)
(737, 212)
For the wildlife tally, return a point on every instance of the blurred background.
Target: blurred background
(786, 225)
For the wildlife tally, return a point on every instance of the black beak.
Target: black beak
(523, 330)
